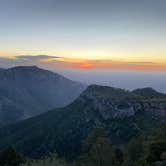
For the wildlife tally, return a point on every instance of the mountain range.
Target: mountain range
(124, 114)
(26, 91)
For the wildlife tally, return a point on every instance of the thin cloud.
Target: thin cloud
(36, 57)
(141, 63)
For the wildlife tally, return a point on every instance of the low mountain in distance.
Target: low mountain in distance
(121, 113)
(111, 93)
(26, 91)
(149, 93)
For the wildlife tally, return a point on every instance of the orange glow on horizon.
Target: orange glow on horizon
(92, 64)
(106, 64)
(87, 66)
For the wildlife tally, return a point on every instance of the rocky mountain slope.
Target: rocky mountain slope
(29, 91)
(122, 113)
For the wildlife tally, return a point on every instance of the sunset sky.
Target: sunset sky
(86, 35)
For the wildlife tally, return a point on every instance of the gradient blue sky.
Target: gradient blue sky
(96, 29)
(118, 42)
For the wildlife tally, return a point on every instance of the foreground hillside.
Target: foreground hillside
(28, 91)
(146, 149)
(121, 113)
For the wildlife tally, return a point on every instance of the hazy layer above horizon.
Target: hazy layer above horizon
(123, 79)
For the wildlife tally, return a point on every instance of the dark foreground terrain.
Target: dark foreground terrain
(104, 126)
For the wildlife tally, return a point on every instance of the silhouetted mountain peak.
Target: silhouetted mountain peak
(149, 92)
(112, 93)
(26, 91)
(24, 68)
(106, 92)
(27, 69)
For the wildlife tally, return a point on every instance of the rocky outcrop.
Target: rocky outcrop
(110, 108)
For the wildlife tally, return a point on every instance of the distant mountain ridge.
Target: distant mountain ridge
(122, 94)
(27, 91)
(64, 129)
(149, 92)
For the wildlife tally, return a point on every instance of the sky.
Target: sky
(85, 38)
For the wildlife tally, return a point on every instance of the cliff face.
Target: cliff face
(111, 109)
(126, 105)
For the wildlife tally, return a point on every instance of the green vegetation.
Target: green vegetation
(10, 157)
(64, 131)
(98, 150)
(53, 160)
(148, 149)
